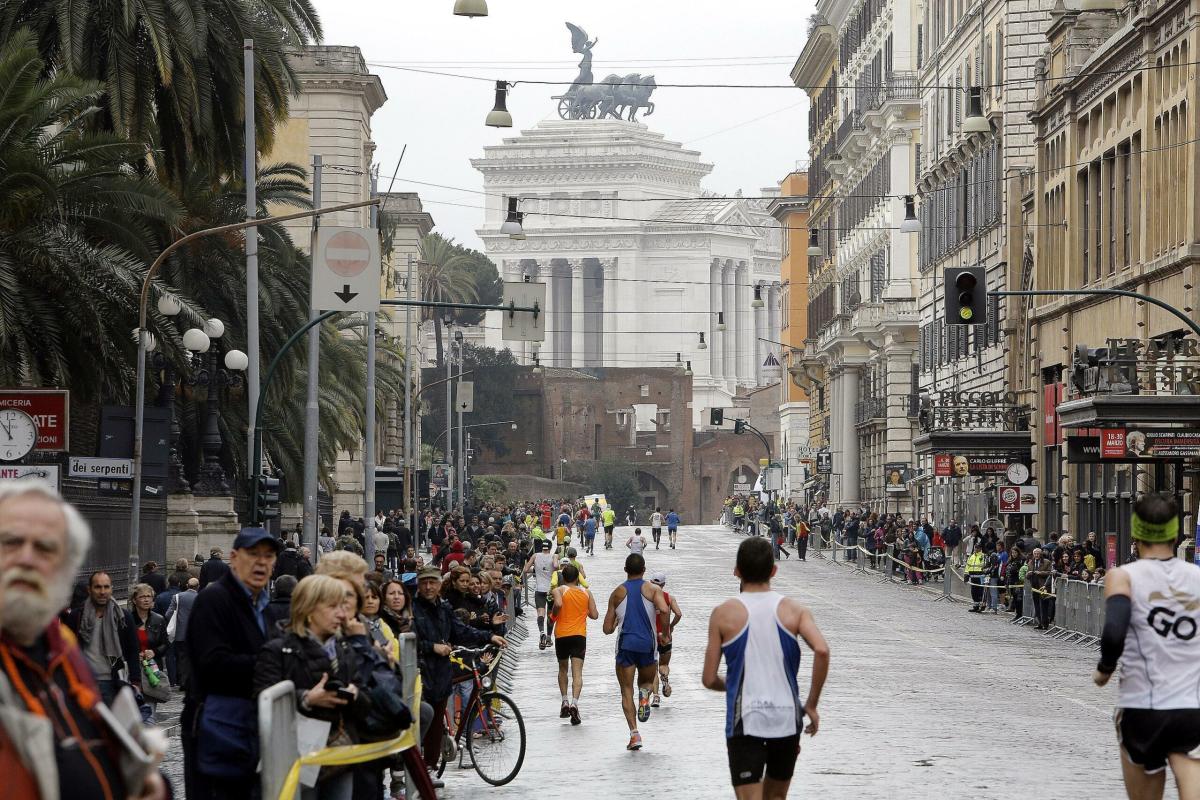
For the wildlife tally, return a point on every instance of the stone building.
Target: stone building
(1113, 206)
(862, 307)
(970, 216)
(641, 263)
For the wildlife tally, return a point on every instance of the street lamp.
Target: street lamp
(814, 243)
(499, 117)
(757, 302)
(720, 320)
(470, 8)
(512, 223)
(703, 345)
(975, 121)
(910, 224)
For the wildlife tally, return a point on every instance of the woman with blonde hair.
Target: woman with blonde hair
(323, 667)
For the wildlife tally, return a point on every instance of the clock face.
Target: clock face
(18, 434)
(1018, 473)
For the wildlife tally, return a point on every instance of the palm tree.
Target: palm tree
(77, 226)
(444, 279)
(172, 69)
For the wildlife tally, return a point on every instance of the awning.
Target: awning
(972, 442)
(1104, 410)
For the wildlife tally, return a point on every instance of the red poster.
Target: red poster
(1110, 550)
(48, 407)
(1112, 442)
(943, 465)
(1050, 414)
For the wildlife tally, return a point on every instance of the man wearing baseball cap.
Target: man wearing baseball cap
(438, 631)
(663, 676)
(1152, 616)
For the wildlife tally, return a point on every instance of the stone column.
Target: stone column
(545, 273)
(609, 325)
(716, 339)
(578, 327)
(761, 328)
(745, 324)
(729, 338)
(850, 454)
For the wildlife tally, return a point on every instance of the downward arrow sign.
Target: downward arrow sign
(345, 294)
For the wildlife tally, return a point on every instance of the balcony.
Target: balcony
(902, 87)
(853, 123)
(872, 409)
(883, 314)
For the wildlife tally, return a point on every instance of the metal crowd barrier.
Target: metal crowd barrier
(1078, 612)
(277, 719)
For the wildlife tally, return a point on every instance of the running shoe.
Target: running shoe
(643, 712)
(655, 701)
(565, 711)
(666, 687)
(575, 720)
(635, 741)
(544, 642)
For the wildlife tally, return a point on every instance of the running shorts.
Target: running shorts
(570, 647)
(1149, 736)
(656, 531)
(749, 755)
(632, 658)
(664, 649)
(539, 599)
(608, 529)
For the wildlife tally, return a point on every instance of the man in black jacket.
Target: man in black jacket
(438, 630)
(213, 569)
(226, 630)
(291, 562)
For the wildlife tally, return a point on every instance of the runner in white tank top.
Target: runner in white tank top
(636, 542)
(756, 633)
(1151, 627)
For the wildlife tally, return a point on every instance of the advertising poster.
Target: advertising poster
(894, 476)
(1017, 499)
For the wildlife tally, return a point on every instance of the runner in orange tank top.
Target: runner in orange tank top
(573, 606)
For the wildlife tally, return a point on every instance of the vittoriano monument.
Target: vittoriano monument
(616, 97)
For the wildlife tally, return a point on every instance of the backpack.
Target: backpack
(389, 715)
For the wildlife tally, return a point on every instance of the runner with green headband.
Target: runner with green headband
(1152, 618)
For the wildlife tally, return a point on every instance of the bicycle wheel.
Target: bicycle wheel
(449, 751)
(496, 738)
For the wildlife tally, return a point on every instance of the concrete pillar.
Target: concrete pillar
(759, 349)
(850, 457)
(716, 339)
(774, 315)
(578, 326)
(545, 273)
(609, 328)
(745, 324)
(729, 338)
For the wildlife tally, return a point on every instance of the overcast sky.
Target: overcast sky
(753, 137)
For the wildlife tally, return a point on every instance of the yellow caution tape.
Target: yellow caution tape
(351, 754)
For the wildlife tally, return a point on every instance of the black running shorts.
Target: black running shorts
(1148, 736)
(570, 647)
(748, 755)
(539, 599)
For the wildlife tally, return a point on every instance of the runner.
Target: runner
(636, 643)
(573, 606)
(541, 564)
(636, 542)
(589, 536)
(663, 676)
(672, 526)
(656, 522)
(756, 632)
(609, 520)
(562, 532)
(1152, 610)
(569, 558)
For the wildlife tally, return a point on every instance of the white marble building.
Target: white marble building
(639, 259)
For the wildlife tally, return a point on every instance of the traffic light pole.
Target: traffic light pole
(1103, 292)
(255, 517)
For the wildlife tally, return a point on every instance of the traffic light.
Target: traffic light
(966, 296)
(739, 426)
(716, 417)
(264, 499)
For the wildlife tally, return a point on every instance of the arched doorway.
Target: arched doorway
(652, 492)
(742, 478)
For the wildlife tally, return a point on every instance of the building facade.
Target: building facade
(642, 265)
(1113, 206)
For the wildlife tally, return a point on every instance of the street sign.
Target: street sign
(464, 400)
(345, 270)
(46, 473)
(522, 326)
(824, 462)
(49, 409)
(101, 468)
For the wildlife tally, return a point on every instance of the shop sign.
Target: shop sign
(49, 409)
(968, 410)
(982, 465)
(894, 477)
(943, 465)
(1017, 499)
(1121, 444)
(46, 473)
(824, 462)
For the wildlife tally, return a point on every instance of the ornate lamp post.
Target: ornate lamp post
(215, 379)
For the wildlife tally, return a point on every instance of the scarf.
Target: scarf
(108, 630)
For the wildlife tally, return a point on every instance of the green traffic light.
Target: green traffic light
(965, 313)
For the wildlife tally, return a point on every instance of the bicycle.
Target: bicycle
(496, 735)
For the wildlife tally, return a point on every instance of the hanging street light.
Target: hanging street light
(703, 345)
(720, 320)
(814, 243)
(757, 302)
(470, 8)
(910, 224)
(975, 122)
(512, 223)
(520, 236)
(499, 117)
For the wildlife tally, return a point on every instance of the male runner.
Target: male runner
(574, 606)
(1152, 612)
(636, 542)
(663, 676)
(589, 536)
(756, 632)
(672, 526)
(541, 564)
(633, 606)
(656, 522)
(609, 519)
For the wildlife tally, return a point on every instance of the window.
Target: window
(1098, 224)
(1110, 164)
(878, 275)
(1083, 193)
(1126, 200)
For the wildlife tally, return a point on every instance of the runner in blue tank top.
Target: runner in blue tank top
(633, 607)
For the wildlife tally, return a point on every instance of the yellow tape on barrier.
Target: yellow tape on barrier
(903, 564)
(351, 754)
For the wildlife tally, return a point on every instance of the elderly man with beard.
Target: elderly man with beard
(56, 740)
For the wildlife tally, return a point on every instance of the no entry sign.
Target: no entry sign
(345, 270)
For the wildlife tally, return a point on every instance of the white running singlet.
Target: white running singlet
(761, 694)
(637, 545)
(543, 569)
(1160, 667)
